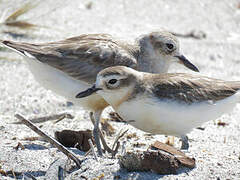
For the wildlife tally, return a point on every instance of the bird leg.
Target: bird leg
(185, 144)
(108, 149)
(96, 130)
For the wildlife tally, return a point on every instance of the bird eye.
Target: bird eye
(112, 81)
(169, 46)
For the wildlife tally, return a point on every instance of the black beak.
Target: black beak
(88, 92)
(187, 63)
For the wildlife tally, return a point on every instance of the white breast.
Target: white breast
(172, 118)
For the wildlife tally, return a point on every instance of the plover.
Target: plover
(169, 104)
(67, 66)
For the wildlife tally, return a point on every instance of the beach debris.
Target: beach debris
(77, 139)
(132, 135)
(106, 127)
(115, 117)
(138, 144)
(116, 143)
(51, 140)
(19, 145)
(201, 128)
(53, 117)
(13, 19)
(179, 155)
(220, 123)
(160, 158)
(35, 138)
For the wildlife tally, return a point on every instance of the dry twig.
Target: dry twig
(57, 117)
(92, 148)
(12, 20)
(52, 141)
(115, 149)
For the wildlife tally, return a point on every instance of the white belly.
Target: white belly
(60, 83)
(171, 118)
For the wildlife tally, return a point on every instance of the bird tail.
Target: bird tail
(24, 49)
(13, 46)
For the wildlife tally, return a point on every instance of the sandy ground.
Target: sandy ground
(216, 149)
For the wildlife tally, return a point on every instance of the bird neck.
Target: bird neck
(149, 60)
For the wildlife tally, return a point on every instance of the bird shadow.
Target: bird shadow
(33, 146)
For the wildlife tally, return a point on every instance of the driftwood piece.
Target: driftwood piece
(52, 141)
(161, 158)
(179, 155)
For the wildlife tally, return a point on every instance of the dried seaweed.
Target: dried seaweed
(24, 9)
(13, 19)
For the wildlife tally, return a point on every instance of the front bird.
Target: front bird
(169, 104)
(69, 66)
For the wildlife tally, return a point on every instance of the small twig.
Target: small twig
(75, 146)
(87, 153)
(57, 117)
(105, 146)
(115, 151)
(52, 141)
(92, 148)
(120, 134)
(64, 115)
(201, 128)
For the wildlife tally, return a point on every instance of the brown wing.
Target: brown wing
(189, 88)
(81, 57)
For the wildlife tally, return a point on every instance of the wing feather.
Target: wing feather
(81, 57)
(189, 88)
